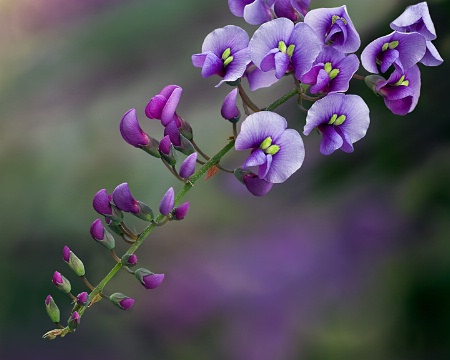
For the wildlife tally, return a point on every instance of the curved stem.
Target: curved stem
(358, 77)
(281, 100)
(246, 99)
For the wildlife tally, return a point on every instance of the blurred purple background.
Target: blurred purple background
(349, 259)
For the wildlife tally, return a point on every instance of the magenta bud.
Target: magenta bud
(180, 211)
(83, 298)
(121, 301)
(73, 261)
(148, 279)
(229, 109)
(73, 321)
(131, 130)
(61, 282)
(129, 260)
(102, 204)
(123, 200)
(167, 202)
(52, 309)
(102, 236)
(187, 168)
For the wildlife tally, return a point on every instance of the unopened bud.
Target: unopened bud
(180, 212)
(61, 282)
(148, 279)
(129, 260)
(73, 261)
(73, 321)
(52, 309)
(83, 299)
(99, 234)
(167, 151)
(187, 168)
(121, 301)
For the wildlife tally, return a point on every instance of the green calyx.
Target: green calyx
(402, 82)
(337, 120)
(226, 57)
(267, 146)
(391, 45)
(289, 50)
(331, 72)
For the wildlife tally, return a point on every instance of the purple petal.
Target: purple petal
(167, 202)
(131, 130)
(432, 56)
(123, 200)
(257, 186)
(257, 12)
(282, 62)
(168, 112)
(180, 212)
(172, 131)
(347, 67)
(229, 110)
(323, 79)
(212, 65)
(236, 68)
(265, 167)
(258, 79)
(126, 303)
(237, 6)
(187, 168)
(102, 202)
(97, 230)
(331, 140)
(66, 254)
(416, 18)
(230, 36)
(165, 145)
(256, 158)
(57, 278)
(155, 106)
(153, 281)
(257, 127)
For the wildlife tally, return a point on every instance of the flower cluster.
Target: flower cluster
(315, 49)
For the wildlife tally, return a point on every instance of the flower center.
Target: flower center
(337, 120)
(226, 57)
(391, 45)
(267, 146)
(331, 72)
(402, 82)
(289, 50)
(335, 18)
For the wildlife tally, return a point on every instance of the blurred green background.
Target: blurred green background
(349, 259)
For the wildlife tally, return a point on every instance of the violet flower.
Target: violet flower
(102, 203)
(148, 279)
(402, 50)
(123, 200)
(278, 152)
(341, 119)
(416, 18)
(131, 130)
(164, 105)
(400, 92)
(254, 12)
(334, 28)
(331, 72)
(167, 202)
(285, 47)
(229, 110)
(225, 53)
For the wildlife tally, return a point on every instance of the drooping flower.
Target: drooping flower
(229, 110)
(284, 46)
(163, 106)
(276, 151)
(254, 12)
(331, 72)
(401, 92)
(148, 279)
(416, 18)
(131, 130)
(225, 53)
(403, 50)
(124, 200)
(334, 28)
(341, 119)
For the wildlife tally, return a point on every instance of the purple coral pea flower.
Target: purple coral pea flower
(225, 53)
(131, 130)
(254, 12)
(123, 200)
(164, 105)
(294, 10)
(229, 110)
(179, 213)
(187, 167)
(277, 151)
(284, 46)
(331, 72)
(102, 203)
(167, 202)
(416, 18)
(400, 92)
(341, 119)
(334, 28)
(402, 50)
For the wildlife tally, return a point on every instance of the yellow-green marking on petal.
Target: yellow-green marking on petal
(282, 46)
(402, 82)
(337, 120)
(266, 143)
(272, 149)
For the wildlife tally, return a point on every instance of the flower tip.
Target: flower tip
(66, 254)
(180, 212)
(167, 202)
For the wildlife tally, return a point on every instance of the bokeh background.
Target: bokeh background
(349, 259)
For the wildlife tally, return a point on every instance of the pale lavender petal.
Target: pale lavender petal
(347, 145)
(236, 68)
(257, 127)
(265, 167)
(268, 62)
(323, 79)
(416, 18)
(237, 6)
(258, 79)
(347, 67)
(212, 65)
(167, 202)
(357, 112)
(256, 158)
(331, 140)
(432, 56)
(281, 64)
(267, 37)
(199, 59)
(168, 112)
(230, 36)
(388, 58)
(257, 12)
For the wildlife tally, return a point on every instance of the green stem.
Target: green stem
(281, 100)
(143, 235)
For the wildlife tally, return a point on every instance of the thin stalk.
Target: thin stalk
(247, 100)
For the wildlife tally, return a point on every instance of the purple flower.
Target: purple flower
(229, 109)
(416, 18)
(121, 301)
(164, 105)
(148, 279)
(255, 12)
(331, 72)
(402, 50)
(187, 167)
(341, 119)
(285, 47)
(123, 200)
(277, 151)
(225, 53)
(102, 203)
(131, 130)
(179, 213)
(83, 298)
(167, 202)
(252, 182)
(400, 92)
(100, 235)
(334, 28)
(258, 79)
